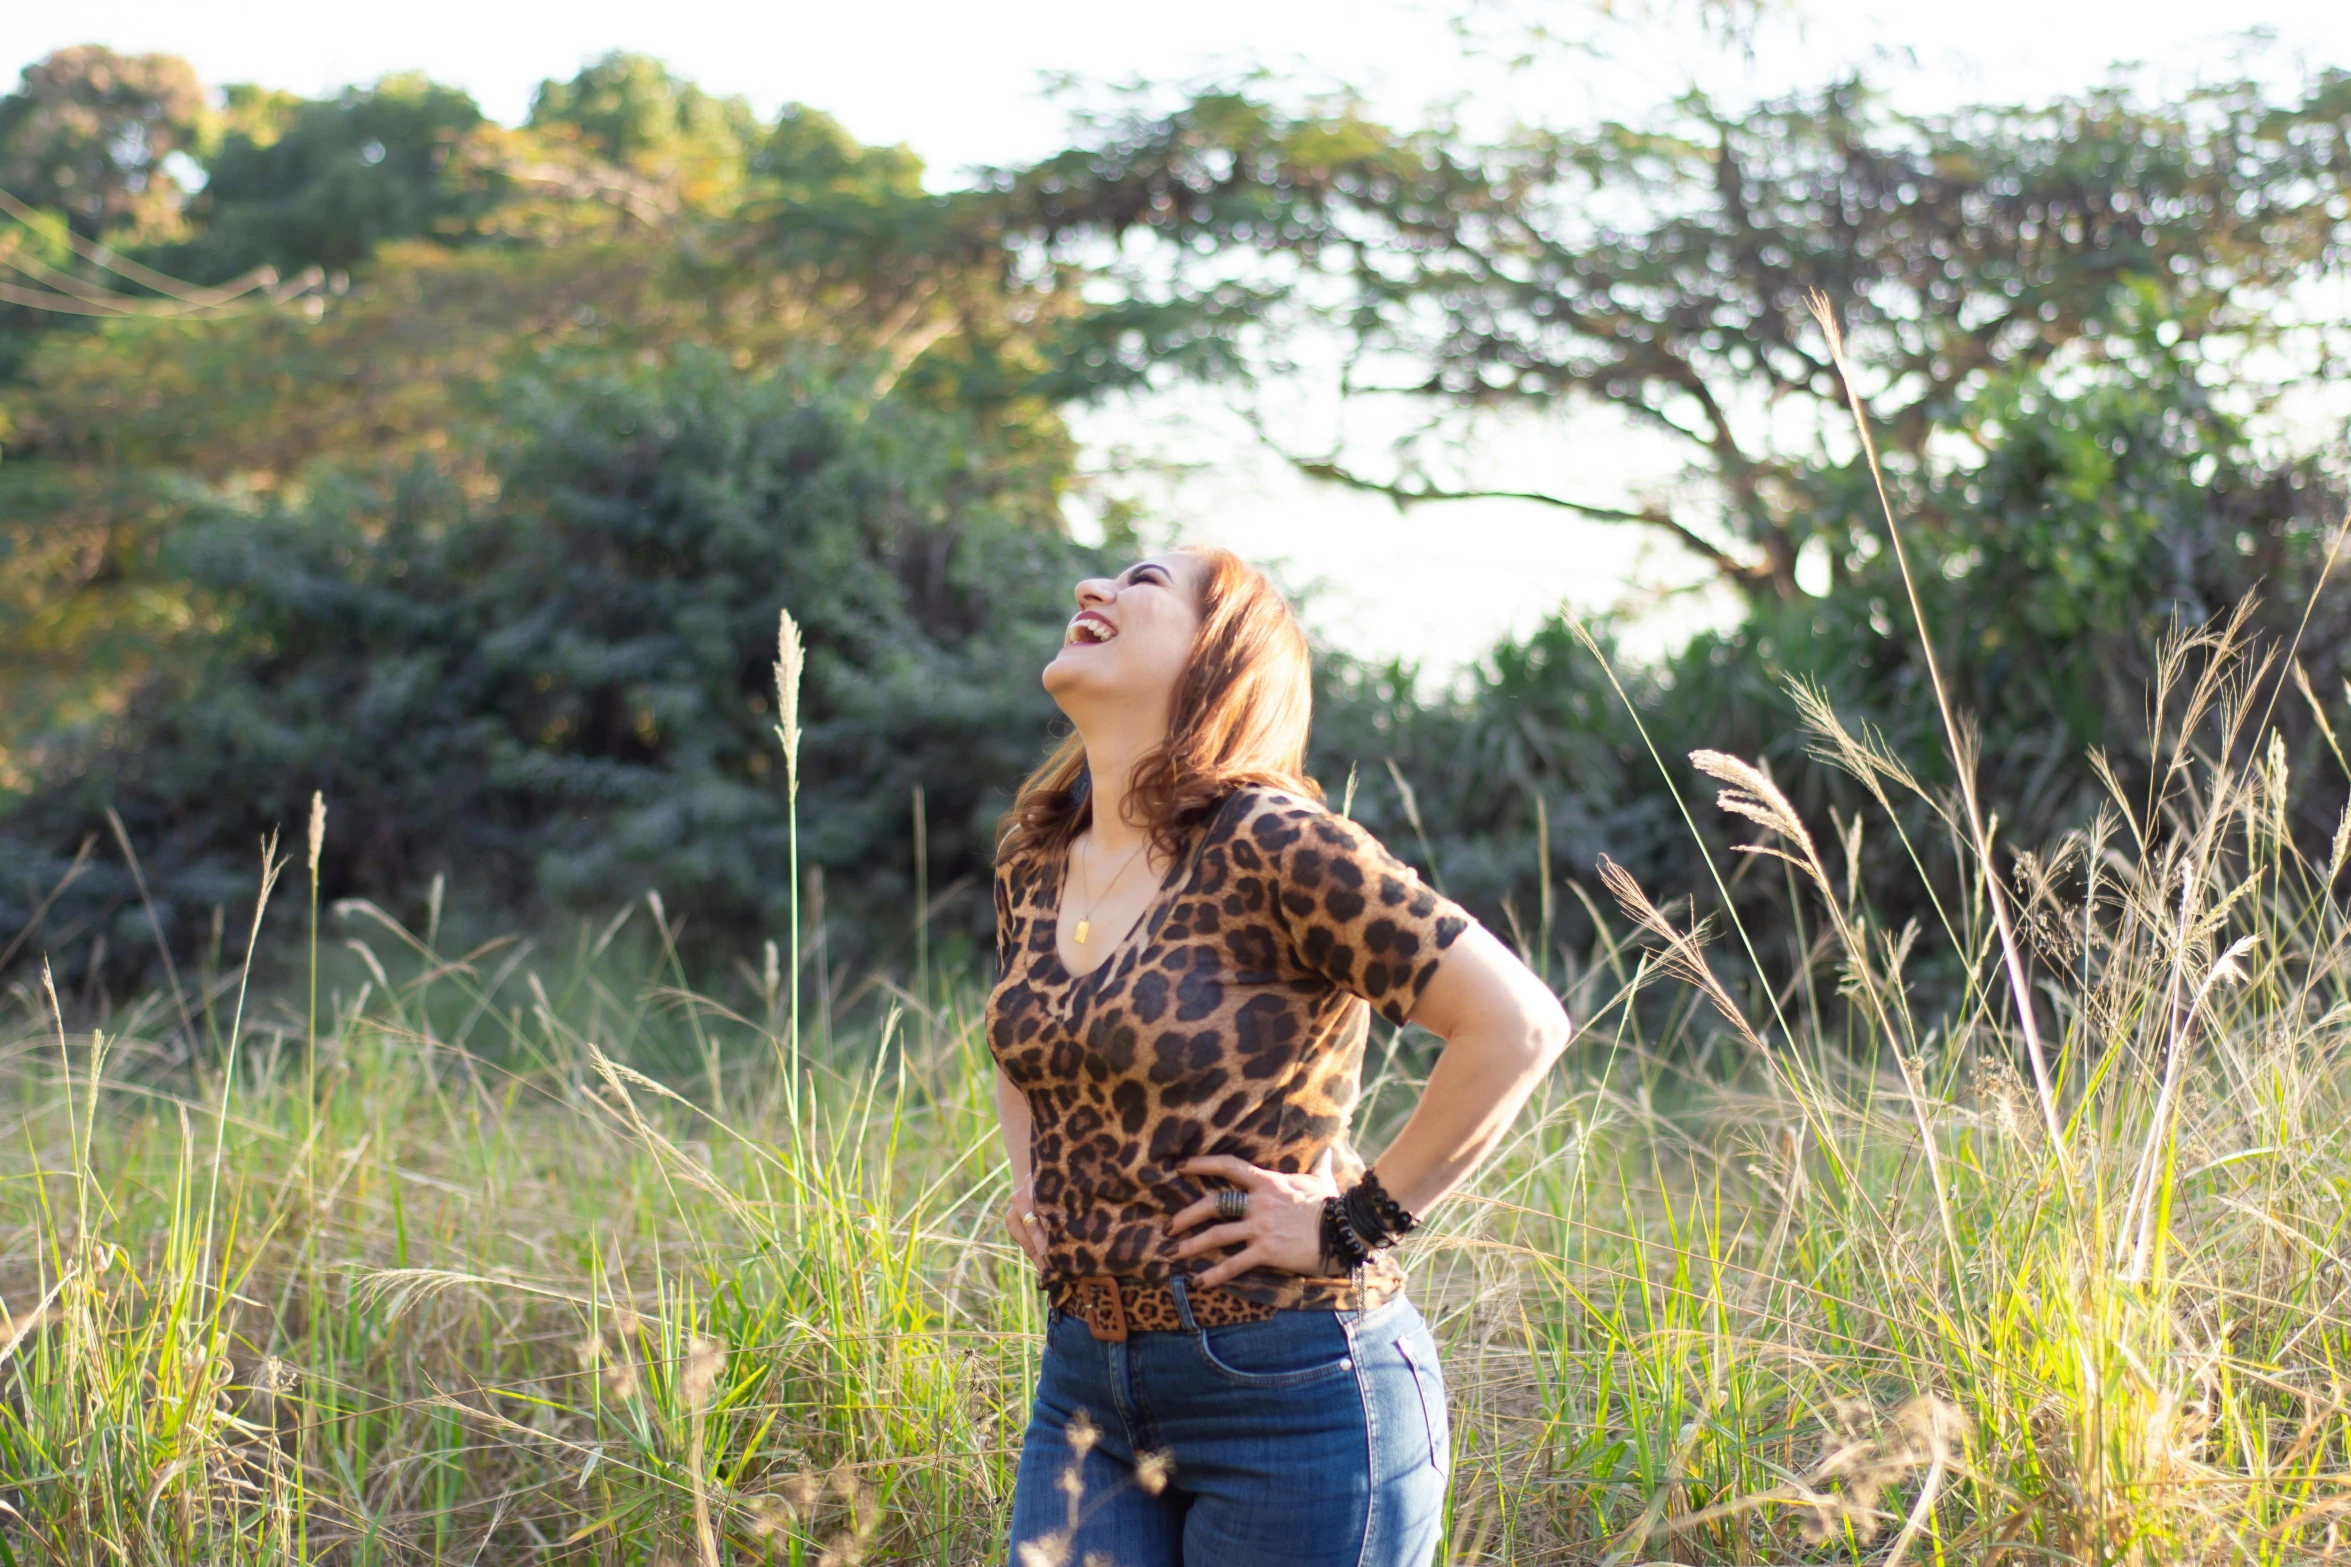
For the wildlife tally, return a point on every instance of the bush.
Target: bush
(558, 694)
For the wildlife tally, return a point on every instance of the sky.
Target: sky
(968, 85)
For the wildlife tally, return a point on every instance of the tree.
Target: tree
(514, 516)
(562, 696)
(328, 182)
(90, 133)
(629, 111)
(2108, 516)
(1664, 270)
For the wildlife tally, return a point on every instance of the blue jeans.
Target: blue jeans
(1314, 1438)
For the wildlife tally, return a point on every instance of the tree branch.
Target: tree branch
(1406, 496)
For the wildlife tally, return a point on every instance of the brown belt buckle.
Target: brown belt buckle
(1116, 1333)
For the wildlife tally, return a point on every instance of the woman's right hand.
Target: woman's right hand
(1028, 1229)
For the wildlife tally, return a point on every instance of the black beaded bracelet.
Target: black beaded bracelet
(1343, 1250)
(1378, 1219)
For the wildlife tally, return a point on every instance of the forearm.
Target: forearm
(1482, 1079)
(1012, 1119)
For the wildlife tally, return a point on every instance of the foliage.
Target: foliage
(1795, 1265)
(328, 182)
(1663, 270)
(204, 519)
(629, 111)
(219, 532)
(2104, 515)
(559, 694)
(539, 1258)
(90, 133)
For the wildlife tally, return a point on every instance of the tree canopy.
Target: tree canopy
(486, 539)
(90, 133)
(1665, 269)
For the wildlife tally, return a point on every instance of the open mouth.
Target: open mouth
(1088, 628)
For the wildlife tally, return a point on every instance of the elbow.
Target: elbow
(1544, 1030)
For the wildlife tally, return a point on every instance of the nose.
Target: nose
(1094, 591)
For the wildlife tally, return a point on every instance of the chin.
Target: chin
(1062, 673)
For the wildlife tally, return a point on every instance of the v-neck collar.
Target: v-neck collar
(1144, 924)
(1147, 922)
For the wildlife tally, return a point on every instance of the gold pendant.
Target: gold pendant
(1083, 927)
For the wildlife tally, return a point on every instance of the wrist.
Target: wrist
(1376, 1219)
(1404, 1193)
(1342, 1247)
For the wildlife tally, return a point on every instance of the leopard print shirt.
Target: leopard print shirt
(1231, 1020)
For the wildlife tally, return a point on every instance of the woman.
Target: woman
(1232, 1373)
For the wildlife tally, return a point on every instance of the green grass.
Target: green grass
(504, 1261)
(568, 1263)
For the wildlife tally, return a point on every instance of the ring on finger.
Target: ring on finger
(1232, 1203)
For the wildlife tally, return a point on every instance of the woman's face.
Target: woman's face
(1131, 636)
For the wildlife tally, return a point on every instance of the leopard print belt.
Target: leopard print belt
(1111, 1307)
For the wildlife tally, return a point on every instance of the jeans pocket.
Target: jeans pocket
(1288, 1350)
(1429, 1383)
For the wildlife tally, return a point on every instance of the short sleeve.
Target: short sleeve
(1352, 912)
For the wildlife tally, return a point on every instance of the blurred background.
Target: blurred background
(433, 409)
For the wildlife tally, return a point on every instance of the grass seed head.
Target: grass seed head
(2000, 1091)
(1082, 1434)
(1749, 792)
(2278, 777)
(1863, 1457)
(771, 1516)
(1680, 953)
(704, 1361)
(1047, 1550)
(318, 829)
(848, 1546)
(790, 657)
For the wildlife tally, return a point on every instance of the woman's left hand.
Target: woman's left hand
(1283, 1228)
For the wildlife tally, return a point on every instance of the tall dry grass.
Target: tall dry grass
(468, 1283)
(2057, 1272)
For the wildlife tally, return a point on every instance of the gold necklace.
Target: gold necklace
(1085, 914)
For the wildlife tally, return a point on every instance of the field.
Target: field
(516, 1255)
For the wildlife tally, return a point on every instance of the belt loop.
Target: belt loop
(1183, 1302)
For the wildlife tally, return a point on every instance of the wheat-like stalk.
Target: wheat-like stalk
(706, 1359)
(790, 657)
(2011, 954)
(318, 843)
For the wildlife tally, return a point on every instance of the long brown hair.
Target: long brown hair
(1241, 712)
